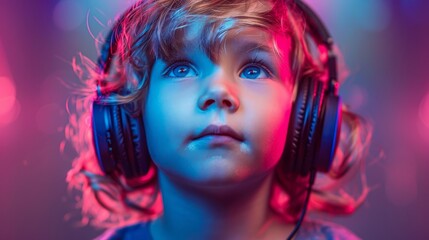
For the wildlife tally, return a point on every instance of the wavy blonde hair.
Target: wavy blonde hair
(152, 29)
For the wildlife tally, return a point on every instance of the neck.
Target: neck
(233, 212)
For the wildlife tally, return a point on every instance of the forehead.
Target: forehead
(193, 32)
(241, 40)
(250, 25)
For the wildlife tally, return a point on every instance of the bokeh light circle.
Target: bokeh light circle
(424, 111)
(7, 95)
(372, 15)
(68, 14)
(9, 105)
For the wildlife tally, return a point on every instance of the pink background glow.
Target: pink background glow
(385, 44)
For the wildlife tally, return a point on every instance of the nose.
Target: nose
(219, 93)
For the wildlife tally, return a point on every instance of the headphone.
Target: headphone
(314, 125)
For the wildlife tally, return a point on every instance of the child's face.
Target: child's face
(184, 99)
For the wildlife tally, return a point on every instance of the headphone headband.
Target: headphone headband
(321, 34)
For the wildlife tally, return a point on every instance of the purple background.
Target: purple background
(386, 47)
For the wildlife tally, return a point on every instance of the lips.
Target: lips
(223, 130)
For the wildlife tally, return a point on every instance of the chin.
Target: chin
(218, 179)
(216, 172)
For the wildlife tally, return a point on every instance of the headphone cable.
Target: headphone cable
(304, 210)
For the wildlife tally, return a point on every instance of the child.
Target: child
(209, 122)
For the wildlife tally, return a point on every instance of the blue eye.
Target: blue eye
(254, 72)
(180, 70)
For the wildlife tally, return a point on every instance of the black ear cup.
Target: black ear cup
(330, 128)
(311, 133)
(119, 140)
(308, 138)
(295, 126)
(103, 134)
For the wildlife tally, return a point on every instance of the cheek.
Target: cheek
(269, 124)
(160, 112)
(168, 109)
(168, 113)
(154, 116)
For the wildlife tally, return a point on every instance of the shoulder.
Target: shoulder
(136, 231)
(325, 230)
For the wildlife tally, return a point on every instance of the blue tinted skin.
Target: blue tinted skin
(221, 191)
(254, 70)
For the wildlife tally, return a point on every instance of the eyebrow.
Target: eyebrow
(250, 46)
(239, 46)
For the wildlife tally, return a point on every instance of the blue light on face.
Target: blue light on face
(255, 70)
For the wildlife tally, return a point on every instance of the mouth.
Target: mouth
(216, 133)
